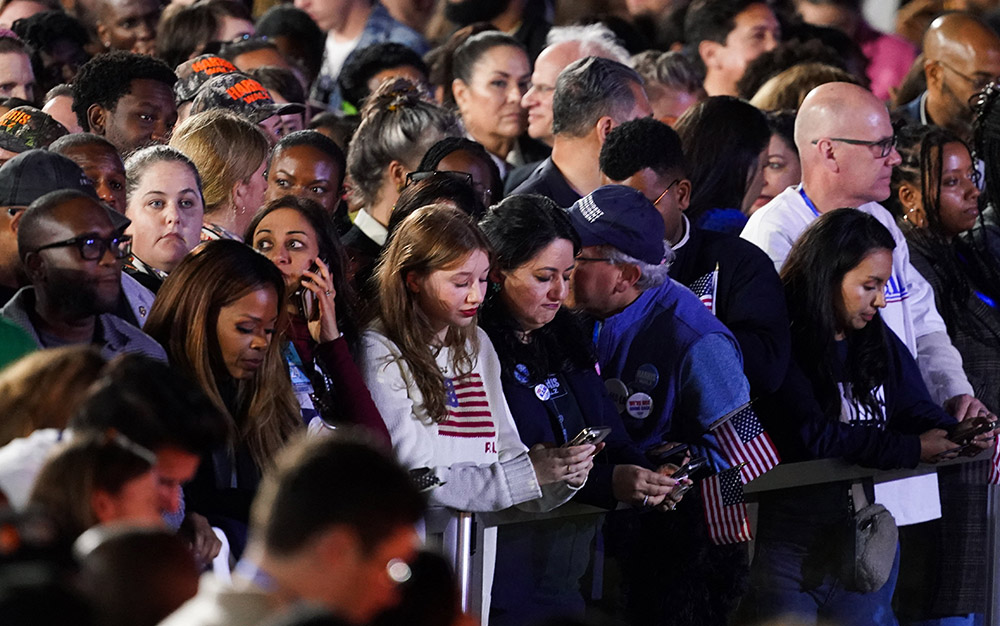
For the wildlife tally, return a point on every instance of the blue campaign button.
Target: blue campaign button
(521, 373)
(646, 377)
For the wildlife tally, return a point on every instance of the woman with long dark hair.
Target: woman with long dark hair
(853, 391)
(548, 375)
(725, 142)
(217, 316)
(296, 234)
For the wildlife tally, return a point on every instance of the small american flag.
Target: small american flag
(743, 440)
(725, 512)
(468, 410)
(705, 288)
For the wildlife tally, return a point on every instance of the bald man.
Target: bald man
(961, 55)
(73, 254)
(846, 144)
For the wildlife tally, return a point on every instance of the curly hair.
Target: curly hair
(107, 77)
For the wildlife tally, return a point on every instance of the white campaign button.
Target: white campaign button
(639, 405)
(618, 392)
(542, 392)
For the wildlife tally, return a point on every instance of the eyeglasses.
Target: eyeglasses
(884, 146)
(595, 259)
(93, 248)
(660, 197)
(978, 83)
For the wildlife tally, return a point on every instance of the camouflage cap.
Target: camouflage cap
(242, 95)
(27, 128)
(194, 73)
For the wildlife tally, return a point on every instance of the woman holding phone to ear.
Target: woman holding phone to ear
(297, 236)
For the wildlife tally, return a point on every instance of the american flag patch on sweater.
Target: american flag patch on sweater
(468, 410)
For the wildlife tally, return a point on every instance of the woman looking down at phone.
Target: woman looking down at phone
(296, 234)
(554, 392)
(853, 391)
(435, 376)
(217, 316)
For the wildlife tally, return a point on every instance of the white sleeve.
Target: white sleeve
(467, 486)
(766, 233)
(939, 361)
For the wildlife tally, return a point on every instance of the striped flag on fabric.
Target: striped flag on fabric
(468, 410)
(725, 510)
(705, 288)
(743, 439)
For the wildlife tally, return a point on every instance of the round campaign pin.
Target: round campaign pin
(639, 405)
(521, 373)
(618, 392)
(646, 377)
(542, 392)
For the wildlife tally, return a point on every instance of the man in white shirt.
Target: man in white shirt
(847, 147)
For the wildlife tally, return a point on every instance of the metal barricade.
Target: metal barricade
(462, 547)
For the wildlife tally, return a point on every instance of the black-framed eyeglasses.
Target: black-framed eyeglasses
(595, 259)
(660, 197)
(883, 146)
(416, 177)
(978, 82)
(93, 248)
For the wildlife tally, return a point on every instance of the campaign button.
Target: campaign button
(639, 405)
(646, 377)
(618, 392)
(542, 392)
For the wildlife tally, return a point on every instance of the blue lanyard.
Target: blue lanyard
(985, 298)
(809, 203)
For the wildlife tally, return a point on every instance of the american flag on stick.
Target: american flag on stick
(706, 287)
(751, 452)
(725, 511)
(743, 439)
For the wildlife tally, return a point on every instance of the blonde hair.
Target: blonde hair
(225, 148)
(64, 374)
(184, 318)
(788, 89)
(432, 238)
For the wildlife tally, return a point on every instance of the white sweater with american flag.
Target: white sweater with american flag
(476, 451)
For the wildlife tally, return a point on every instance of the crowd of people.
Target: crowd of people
(281, 283)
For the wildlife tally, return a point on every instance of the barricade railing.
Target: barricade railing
(459, 534)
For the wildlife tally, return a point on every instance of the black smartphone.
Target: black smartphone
(669, 452)
(306, 299)
(689, 468)
(590, 434)
(980, 426)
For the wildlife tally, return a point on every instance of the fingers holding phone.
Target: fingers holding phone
(639, 486)
(317, 282)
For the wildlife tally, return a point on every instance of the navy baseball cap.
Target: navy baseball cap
(32, 174)
(620, 217)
